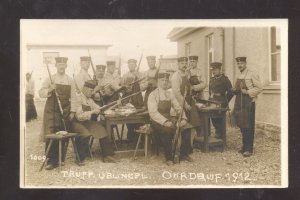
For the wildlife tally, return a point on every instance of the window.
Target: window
(210, 53)
(275, 54)
(187, 49)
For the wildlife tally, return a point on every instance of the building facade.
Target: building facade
(261, 46)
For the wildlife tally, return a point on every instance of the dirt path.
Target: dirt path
(213, 168)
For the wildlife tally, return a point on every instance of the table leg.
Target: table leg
(206, 131)
(122, 132)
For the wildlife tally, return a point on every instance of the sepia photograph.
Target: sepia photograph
(154, 103)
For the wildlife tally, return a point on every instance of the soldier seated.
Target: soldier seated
(86, 127)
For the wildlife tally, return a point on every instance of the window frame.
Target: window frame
(270, 81)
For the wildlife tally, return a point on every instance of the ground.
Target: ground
(227, 168)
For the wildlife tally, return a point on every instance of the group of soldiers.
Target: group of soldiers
(75, 104)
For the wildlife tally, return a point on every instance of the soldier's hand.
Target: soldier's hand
(182, 123)
(51, 88)
(96, 111)
(187, 107)
(168, 124)
(71, 116)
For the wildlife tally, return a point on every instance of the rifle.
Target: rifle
(176, 142)
(77, 88)
(105, 107)
(138, 67)
(57, 99)
(92, 64)
(209, 101)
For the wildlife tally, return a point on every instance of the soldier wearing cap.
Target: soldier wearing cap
(196, 78)
(151, 77)
(246, 88)
(137, 100)
(179, 83)
(112, 78)
(52, 120)
(29, 98)
(101, 89)
(82, 124)
(83, 75)
(220, 91)
(160, 102)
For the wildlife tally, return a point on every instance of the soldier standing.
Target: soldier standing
(246, 89)
(179, 82)
(137, 100)
(112, 79)
(151, 77)
(219, 91)
(196, 77)
(53, 121)
(29, 99)
(83, 75)
(160, 102)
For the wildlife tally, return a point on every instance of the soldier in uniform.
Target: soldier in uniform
(151, 77)
(86, 127)
(112, 79)
(100, 89)
(83, 75)
(197, 80)
(179, 82)
(160, 102)
(220, 91)
(52, 120)
(29, 99)
(246, 89)
(137, 100)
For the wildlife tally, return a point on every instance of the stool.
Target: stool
(91, 140)
(60, 138)
(146, 132)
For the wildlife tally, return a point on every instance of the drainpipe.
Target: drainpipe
(233, 52)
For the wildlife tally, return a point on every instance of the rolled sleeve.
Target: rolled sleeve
(44, 91)
(256, 85)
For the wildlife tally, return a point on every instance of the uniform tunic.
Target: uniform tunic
(244, 107)
(220, 91)
(197, 81)
(160, 102)
(81, 77)
(179, 82)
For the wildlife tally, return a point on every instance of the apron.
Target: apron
(242, 106)
(89, 127)
(52, 118)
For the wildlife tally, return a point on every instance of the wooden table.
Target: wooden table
(132, 119)
(206, 114)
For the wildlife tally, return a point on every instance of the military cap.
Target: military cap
(214, 65)
(151, 57)
(85, 58)
(90, 84)
(132, 61)
(101, 67)
(111, 63)
(193, 58)
(182, 59)
(61, 60)
(240, 59)
(163, 75)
